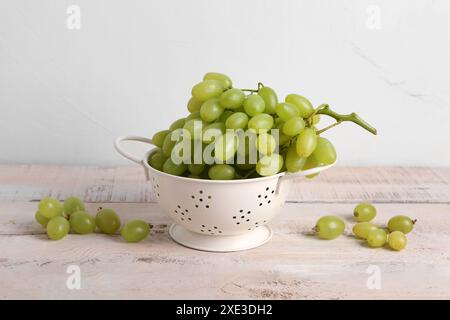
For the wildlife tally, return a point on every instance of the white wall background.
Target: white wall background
(66, 94)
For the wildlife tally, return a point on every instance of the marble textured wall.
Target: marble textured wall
(65, 94)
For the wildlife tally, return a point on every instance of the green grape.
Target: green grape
(195, 128)
(294, 163)
(50, 207)
(306, 142)
(211, 110)
(293, 126)
(225, 147)
(269, 165)
(175, 169)
(397, 240)
(315, 119)
(158, 138)
(261, 122)
(178, 152)
(266, 143)
(362, 229)
(311, 163)
(364, 212)
(107, 221)
(224, 116)
(157, 160)
(224, 79)
(196, 169)
(72, 204)
(212, 131)
(177, 124)
(304, 107)
(245, 166)
(376, 238)
(270, 99)
(401, 223)
(57, 228)
(193, 116)
(82, 222)
(135, 231)
(168, 145)
(254, 105)
(232, 99)
(329, 227)
(41, 219)
(283, 139)
(221, 172)
(193, 176)
(247, 142)
(194, 105)
(207, 89)
(236, 121)
(278, 122)
(286, 111)
(324, 151)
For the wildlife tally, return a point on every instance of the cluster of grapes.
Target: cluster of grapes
(218, 107)
(331, 227)
(58, 218)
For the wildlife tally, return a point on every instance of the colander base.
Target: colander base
(248, 240)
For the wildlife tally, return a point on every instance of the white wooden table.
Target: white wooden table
(293, 265)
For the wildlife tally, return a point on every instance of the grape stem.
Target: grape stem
(260, 85)
(353, 117)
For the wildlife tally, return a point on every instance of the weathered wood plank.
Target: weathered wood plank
(293, 264)
(126, 184)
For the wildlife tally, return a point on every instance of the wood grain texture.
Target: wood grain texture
(127, 184)
(293, 265)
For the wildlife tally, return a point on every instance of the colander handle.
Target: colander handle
(121, 150)
(289, 176)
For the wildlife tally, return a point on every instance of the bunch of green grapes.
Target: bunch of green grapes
(331, 227)
(59, 218)
(219, 108)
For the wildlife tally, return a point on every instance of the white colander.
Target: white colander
(214, 215)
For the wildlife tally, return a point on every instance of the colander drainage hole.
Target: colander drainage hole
(212, 230)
